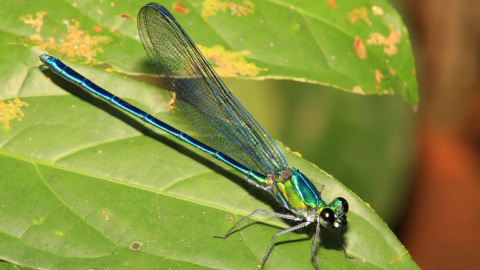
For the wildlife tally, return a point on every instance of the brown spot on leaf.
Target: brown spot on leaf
(136, 245)
(107, 217)
(97, 28)
(331, 3)
(398, 258)
(378, 76)
(180, 8)
(127, 16)
(359, 48)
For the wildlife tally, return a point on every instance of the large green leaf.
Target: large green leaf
(359, 46)
(84, 185)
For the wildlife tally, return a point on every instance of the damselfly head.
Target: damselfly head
(334, 215)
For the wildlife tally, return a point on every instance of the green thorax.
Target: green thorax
(294, 191)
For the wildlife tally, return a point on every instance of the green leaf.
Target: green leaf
(360, 46)
(86, 186)
(83, 185)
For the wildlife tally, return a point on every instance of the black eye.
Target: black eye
(327, 217)
(344, 204)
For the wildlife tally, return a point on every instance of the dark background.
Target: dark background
(441, 226)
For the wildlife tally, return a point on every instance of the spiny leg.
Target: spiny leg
(314, 245)
(299, 226)
(259, 211)
(344, 247)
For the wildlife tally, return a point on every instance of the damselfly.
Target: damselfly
(234, 136)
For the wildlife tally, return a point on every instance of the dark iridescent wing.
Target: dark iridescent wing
(201, 94)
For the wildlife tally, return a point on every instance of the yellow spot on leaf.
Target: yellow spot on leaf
(36, 21)
(357, 89)
(378, 76)
(107, 217)
(228, 63)
(297, 154)
(59, 233)
(11, 110)
(358, 14)
(360, 48)
(210, 8)
(173, 102)
(76, 44)
(389, 43)
(392, 71)
(377, 11)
